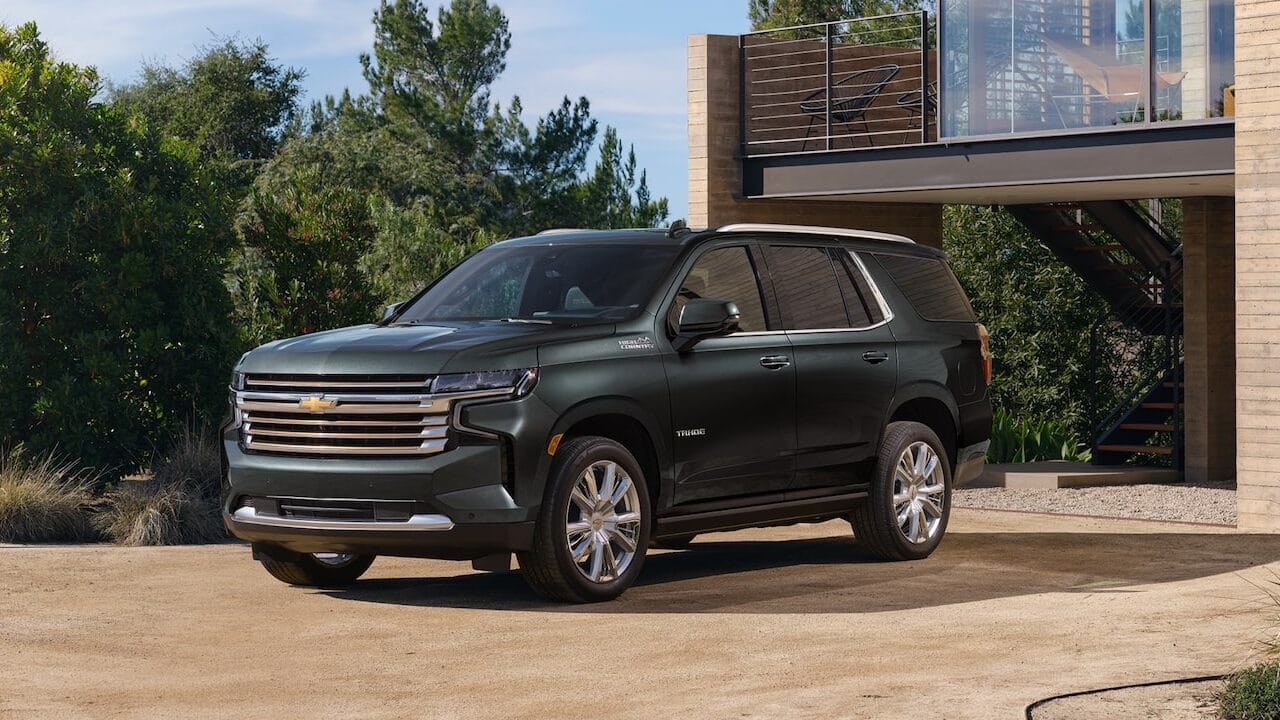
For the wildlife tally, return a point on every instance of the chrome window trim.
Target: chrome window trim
(814, 230)
(416, 523)
(885, 310)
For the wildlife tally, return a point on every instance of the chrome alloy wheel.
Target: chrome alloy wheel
(333, 559)
(603, 521)
(919, 493)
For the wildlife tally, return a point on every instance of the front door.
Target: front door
(845, 358)
(733, 397)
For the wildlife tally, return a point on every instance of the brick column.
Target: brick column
(1208, 235)
(715, 169)
(1257, 265)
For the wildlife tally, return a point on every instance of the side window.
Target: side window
(808, 292)
(930, 286)
(859, 300)
(723, 274)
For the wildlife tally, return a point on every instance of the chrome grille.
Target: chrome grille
(322, 415)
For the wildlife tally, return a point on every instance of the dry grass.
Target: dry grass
(44, 499)
(179, 505)
(152, 513)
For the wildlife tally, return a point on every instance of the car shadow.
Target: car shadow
(834, 575)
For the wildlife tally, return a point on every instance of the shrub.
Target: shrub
(178, 505)
(1019, 441)
(114, 317)
(44, 499)
(152, 513)
(1252, 694)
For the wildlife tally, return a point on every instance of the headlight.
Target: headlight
(237, 380)
(519, 382)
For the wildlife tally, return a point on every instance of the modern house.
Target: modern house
(1073, 114)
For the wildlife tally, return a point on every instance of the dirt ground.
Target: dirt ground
(784, 622)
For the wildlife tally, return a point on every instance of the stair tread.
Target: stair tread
(1117, 266)
(1158, 405)
(1080, 227)
(1157, 427)
(1153, 449)
(1088, 248)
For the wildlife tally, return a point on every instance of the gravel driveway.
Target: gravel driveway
(1207, 503)
(773, 623)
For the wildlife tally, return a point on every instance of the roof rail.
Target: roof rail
(814, 230)
(564, 231)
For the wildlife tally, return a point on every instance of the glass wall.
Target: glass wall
(1042, 65)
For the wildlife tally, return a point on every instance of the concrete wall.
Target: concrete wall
(1209, 299)
(715, 170)
(1258, 264)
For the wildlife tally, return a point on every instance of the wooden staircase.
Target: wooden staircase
(1148, 424)
(1136, 266)
(1122, 254)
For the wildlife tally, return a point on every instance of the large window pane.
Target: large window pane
(1040, 65)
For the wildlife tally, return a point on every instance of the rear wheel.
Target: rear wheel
(319, 569)
(906, 514)
(593, 528)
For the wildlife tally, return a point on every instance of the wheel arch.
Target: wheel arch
(626, 422)
(932, 406)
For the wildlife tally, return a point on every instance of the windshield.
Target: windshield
(546, 283)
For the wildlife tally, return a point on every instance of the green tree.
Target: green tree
(613, 197)
(232, 100)
(299, 270)
(113, 316)
(772, 14)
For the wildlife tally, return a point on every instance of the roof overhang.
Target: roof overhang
(1173, 159)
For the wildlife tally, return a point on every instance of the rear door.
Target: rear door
(733, 397)
(846, 361)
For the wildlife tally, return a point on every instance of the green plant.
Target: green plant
(1252, 694)
(44, 499)
(114, 319)
(1019, 441)
(178, 504)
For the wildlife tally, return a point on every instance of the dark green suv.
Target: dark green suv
(577, 397)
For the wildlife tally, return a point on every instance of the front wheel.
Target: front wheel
(906, 513)
(319, 569)
(593, 528)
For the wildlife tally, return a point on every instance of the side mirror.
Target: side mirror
(391, 310)
(703, 318)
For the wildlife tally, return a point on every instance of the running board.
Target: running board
(825, 507)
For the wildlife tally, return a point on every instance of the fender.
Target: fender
(614, 405)
(924, 389)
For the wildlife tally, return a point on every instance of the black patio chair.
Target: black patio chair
(910, 102)
(851, 97)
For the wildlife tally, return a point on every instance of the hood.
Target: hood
(414, 349)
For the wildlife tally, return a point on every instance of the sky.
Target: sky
(627, 58)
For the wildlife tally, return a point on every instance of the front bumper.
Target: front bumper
(431, 536)
(479, 497)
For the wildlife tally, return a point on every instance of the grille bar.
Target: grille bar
(347, 415)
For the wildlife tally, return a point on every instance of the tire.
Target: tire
(876, 520)
(311, 571)
(550, 567)
(675, 542)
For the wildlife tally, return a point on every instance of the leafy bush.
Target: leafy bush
(114, 319)
(1020, 441)
(178, 505)
(44, 499)
(1252, 694)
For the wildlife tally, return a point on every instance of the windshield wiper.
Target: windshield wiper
(530, 321)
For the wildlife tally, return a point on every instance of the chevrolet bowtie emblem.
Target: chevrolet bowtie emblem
(317, 404)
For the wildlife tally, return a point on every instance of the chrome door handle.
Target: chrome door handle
(775, 362)
(875, 356)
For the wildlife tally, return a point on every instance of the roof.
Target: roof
(647, 236)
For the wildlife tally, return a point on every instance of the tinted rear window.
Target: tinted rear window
(930, 286)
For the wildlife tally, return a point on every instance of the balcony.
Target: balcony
(993, 101)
